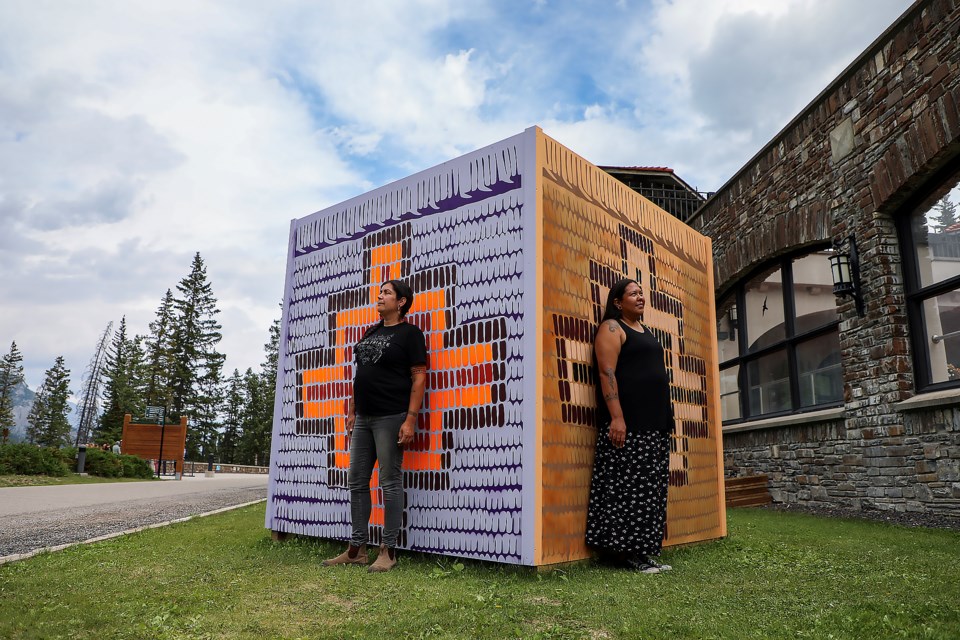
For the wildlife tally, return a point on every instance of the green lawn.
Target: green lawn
(776, 576)
(39, 481)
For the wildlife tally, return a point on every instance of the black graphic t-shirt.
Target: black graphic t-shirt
(383, 381)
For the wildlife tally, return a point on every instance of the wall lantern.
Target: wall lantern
(845, 269)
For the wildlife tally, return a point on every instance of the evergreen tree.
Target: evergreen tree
(37, 418)
(268, 378)
(260, 391)
(90, 396)
(48, 424)
(11, 375)
(272, 352)
(197, 365)
(205, 415)
(138, 372)
(121, 393)
(158, 365)
(946, 214)
(233, 410)
(251, 423)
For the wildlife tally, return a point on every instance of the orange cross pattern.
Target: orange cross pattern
(458, 376)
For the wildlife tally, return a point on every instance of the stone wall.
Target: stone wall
(201, 467)
(878, 137)
(914, 467)
(932, 440)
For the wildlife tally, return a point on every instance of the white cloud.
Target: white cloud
(134, 134)
(731, 73)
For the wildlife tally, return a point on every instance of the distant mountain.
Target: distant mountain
(22, 401)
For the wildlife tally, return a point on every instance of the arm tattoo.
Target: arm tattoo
(611, 374)
(418, 369)
(612, 326)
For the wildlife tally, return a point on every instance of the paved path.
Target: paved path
(33, 518)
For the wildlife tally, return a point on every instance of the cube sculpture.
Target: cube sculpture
(510, 251)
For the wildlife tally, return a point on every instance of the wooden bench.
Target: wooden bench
(748, 491)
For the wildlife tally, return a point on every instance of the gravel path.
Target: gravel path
(31, 531)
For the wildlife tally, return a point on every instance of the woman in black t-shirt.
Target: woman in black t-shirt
(391, 373)
(626, 515)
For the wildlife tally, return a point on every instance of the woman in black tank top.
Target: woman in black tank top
(626, 516)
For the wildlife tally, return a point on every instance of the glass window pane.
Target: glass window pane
(813, 296)
(941, 319)
(730, 393)
(768, 383)
(764, 311)
(728, 345)
(936, 239)
(818, 369)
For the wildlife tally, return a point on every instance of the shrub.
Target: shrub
(110, 465)
(103, 463)
(68, 455)
(30, 460)
(134, 467)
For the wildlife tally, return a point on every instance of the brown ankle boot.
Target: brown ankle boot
(353, 555)
(385, 561)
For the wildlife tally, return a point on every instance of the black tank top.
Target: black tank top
(642, 384)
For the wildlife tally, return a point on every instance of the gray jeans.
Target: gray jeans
(375, 439)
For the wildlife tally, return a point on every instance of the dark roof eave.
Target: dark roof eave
(653, 170)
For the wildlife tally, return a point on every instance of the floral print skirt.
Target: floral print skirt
(628, 494)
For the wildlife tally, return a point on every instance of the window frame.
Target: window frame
(789, 343)
(915, 294)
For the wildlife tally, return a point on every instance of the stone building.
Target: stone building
(839, 407)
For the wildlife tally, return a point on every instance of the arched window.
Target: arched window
(778, 341)
(929, 231)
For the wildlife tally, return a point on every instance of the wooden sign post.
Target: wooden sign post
(146, 440)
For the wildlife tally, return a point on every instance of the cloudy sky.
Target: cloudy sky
(134, 134)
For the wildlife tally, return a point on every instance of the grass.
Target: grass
(777, 575)
(73, 478)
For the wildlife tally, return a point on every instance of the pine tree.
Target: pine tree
(260, 391)
(197, 365)
(268, 384)
(121, 393)
(11, 375)
(946, 214)
(233, 411)
(272, 352)
(48, 424)
(251, 423)
(158, 365)
(205, 415)
(37, 418)
(138, 372)
(90, 396)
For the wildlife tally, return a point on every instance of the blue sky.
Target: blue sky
(134, 134)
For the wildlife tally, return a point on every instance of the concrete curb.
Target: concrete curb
(16, 557)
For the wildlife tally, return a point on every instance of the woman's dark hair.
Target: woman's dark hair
(403, 290)
(611, 312)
